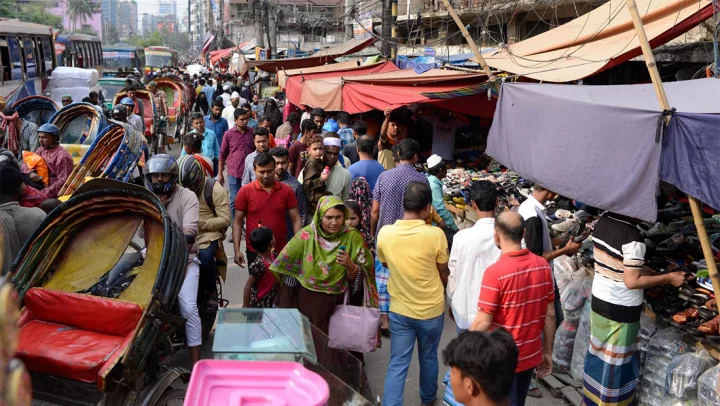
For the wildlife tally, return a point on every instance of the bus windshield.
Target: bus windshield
(113, 59)
(158, 60)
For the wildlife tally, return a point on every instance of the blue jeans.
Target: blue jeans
(208, 268)
(403, 333)
(234, 184)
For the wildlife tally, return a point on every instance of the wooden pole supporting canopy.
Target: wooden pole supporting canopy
(469, 39)
(662, 98)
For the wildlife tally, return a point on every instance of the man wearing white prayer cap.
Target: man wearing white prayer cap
(339, 181)
(226, 95)
(229, 110)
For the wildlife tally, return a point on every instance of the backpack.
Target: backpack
(208, 192)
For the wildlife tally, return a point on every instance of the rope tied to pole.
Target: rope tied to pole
(663, 121)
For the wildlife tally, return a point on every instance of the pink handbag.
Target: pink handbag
(354, 328)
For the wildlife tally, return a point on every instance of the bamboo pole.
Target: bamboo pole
(469, 39)
(662, 97)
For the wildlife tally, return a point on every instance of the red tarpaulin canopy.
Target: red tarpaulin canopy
(357, 94)
(295, 84)
(318, 58)
(216, 56)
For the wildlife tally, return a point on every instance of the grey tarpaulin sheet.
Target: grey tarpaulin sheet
(595, 144)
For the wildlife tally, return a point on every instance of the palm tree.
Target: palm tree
(81, 9)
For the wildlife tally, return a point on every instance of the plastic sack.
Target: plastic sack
(709, 387)
(683, 373)
(564, 345)
(564, 268)
(582, 342)
(669, 343)
(64, 76)
(36, 163)
(572, 297)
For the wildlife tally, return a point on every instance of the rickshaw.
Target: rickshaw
(95, 326)
(36, 109)
(114, 154)
(177, 107)
(79, 125)
(149, 116)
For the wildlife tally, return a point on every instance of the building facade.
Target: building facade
(89, 25)
(128, 19)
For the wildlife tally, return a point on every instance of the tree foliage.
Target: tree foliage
(177, 40)
(154, 39)
(32, 12)
(113, 37)
(79, 9)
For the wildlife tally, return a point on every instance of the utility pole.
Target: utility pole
(349, 9)
(221, 23)
(189, 23)
(393, 32)
(272, 29)
(386, 28)
(257, 11)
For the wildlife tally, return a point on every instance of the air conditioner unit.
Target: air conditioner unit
(292, 20)
(330, 38)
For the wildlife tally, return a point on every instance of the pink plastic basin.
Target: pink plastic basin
(255, 383)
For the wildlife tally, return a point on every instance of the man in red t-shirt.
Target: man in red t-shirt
(517, 294)
(265, 201)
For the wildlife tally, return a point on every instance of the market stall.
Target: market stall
(609, 147)
(377, 91)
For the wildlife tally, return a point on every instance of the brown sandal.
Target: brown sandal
(711, 327)
(685, 316)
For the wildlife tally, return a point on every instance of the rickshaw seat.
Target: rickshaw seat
(73, 335)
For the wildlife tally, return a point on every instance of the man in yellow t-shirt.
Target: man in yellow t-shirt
(416, 254)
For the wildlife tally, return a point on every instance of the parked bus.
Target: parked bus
(123, 56)
(79, 51)
(27, 59)
(158, 57)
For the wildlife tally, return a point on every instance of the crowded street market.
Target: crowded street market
(533, 224)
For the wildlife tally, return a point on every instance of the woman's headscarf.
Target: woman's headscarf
(360, 192)
(202, 103)
(310, 255)
(273, 113)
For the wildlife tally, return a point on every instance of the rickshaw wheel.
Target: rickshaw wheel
(173, 397)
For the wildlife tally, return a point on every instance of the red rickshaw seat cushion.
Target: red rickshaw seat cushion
(72, 335)
(64, 351)
(85, 312)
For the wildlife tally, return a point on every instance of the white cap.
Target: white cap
(235, 95)
(226, 87)
(433, 161)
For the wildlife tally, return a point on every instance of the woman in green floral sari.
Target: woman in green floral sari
(314, 272)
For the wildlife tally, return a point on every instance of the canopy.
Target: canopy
(601, 144)
(318, 58)
(216, 56)
(283, 75)
(598, 40)
(296, 83)
(377, 91)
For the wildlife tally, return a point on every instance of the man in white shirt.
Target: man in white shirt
(226, 95)
(228, 112)
(472, 252)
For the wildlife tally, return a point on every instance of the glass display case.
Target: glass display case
(287, 335)
(263, 334)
